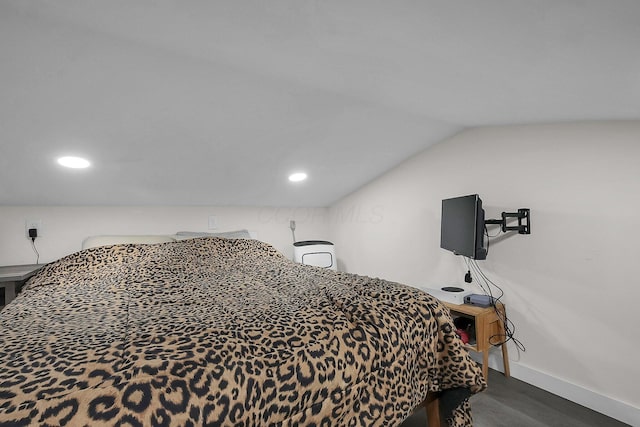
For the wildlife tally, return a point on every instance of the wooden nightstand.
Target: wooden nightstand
(13, 275)
(487, 324)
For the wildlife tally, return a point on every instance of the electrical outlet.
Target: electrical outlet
(33, 223)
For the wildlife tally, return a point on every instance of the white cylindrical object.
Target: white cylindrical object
(319, 253)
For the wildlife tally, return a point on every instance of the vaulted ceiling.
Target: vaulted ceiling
(216, 102)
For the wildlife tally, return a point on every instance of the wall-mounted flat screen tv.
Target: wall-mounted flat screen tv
(462, 226)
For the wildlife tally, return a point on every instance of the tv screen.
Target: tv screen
(462, 226)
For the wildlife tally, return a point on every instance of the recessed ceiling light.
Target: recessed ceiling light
(297, 177)
(74, 162)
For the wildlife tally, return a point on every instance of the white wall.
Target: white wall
(572, 286)
(64, 227)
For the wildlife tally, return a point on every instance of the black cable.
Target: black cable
(509, 326)
(33, 245)
(486, 233)
(478, 282)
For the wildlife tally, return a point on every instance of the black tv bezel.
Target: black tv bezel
(478, 252)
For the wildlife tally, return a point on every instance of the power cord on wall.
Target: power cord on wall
(33, 234)
(485, 284)
(292, 226)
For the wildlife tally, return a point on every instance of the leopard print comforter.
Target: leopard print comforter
(221, 332)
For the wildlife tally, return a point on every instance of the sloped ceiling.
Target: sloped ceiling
(216, 102)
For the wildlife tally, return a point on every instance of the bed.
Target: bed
(215, 331)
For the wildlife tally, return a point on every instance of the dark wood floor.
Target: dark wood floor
(508, 402)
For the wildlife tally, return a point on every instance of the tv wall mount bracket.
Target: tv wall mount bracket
(524, 219)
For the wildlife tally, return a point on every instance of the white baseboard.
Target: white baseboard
(605, 405)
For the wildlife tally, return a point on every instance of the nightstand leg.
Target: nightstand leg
(505, 360)
(432, 405)
(485, 364)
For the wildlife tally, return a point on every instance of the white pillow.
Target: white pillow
(94, 241)
(238, 234)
